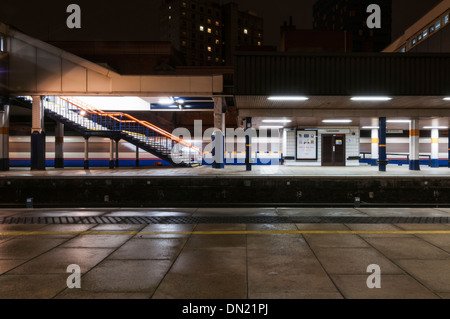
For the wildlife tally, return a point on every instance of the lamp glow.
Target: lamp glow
(336, 121)
(276, 121)
(288, 98)
(371, 98)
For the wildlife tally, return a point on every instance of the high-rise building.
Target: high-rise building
(207, 32)
(351, 16)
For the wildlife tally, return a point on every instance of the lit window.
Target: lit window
(183, 43)
(217, 41)
(202, 28)
(209, 58)
(2, 44)
(170, 17)
(259, 43)
(183, 4)
(438, 24)
(217, 59)
(183, 13)
(209, 21)
(432, 29)
(170, 7)
(259, 35)
(419, 37)
(414, 41)
(446, 19)
(217, 23)
(209, 30)
(425, 33)
(209, 49)
(245, 31)
(403, 50)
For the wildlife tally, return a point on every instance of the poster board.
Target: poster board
(306, 145)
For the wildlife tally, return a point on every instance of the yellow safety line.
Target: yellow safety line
(220, 232)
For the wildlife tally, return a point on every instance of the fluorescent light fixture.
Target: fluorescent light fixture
(370, 127)
(270, 127)
(446, 98)
(276, 121)
(398, 121)
(165, 101)
(336, 121)
(371, 98)
(287, 98)
(82, 113)
(436, 127)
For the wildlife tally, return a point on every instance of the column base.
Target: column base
(435, 163)
(59, 162)
(4, 164)
(117, 163)
(218, 165)
(137, 163)
(414, 165)
(38, 151)
(86, 164)
(111, 164)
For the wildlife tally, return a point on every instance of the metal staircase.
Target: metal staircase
(90, 121)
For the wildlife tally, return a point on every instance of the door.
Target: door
(333, 150)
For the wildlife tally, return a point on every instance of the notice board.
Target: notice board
(306, 145)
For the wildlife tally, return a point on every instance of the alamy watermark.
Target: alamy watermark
(234, 142)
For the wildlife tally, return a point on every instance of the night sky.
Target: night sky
(137, 20)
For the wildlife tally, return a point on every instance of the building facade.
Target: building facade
(207, 32)
(351, 16)
(428, 34)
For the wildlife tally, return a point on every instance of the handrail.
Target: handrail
(93, 110)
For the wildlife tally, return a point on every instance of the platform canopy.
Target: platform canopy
(32, 67)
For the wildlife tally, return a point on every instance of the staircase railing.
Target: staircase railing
(94, 119)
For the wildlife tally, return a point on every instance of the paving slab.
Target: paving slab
(403, 212)
(156, 248)
(434, 274)
(334, 240)
(407, 248)
(8, 264)
(250, 211)
(57, 260)
(392, 287)
(353, 260)
(97, 241)
(377, 227)
(197, 273)
(439, 240)
(37, 286)
(27, 247)
(138, 276)
(160, 231)
(335, 212)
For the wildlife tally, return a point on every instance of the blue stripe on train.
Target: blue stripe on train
(400, 162)
(92, 163)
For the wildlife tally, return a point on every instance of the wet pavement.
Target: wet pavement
(226, 261)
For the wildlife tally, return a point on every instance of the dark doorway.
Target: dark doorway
(333, 150)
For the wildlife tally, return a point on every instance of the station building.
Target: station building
(321, 109)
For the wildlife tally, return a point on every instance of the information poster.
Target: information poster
(307, 145)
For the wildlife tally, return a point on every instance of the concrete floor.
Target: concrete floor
(233, 170)
(226, 261)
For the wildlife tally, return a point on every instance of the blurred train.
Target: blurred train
(397, 150)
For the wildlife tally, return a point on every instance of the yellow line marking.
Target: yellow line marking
(220, 232)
